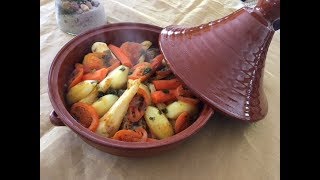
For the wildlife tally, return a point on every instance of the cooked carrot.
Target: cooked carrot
(127, 136)
(141, 71)
(114, 66)
(134, 114)
(167, 88)
(86, 115)
(162, 74)
(98, 75)
(76, 75)
(145, 95)
(163, 96)
(143, 132)
(93, 61)
(120, 55)
(181, 91)
(188, 100)
(166, 84)
(182, 122)
(94, 125)
(113, 60)
(136, 109)
(157, 62)
(132, 50)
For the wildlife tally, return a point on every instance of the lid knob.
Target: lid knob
(269, 9)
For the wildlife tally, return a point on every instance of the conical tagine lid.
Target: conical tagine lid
(222, 61)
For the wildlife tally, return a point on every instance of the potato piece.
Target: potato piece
(110, 122)
(104, 85)
(103, 104)
(129, 83)
(142, 58)
(99, 47)
(118, 79)
(176, 108)
(80, 91)
(158, 123)
(103, 48)
(146, 44)
(92, 97)
(152, 88)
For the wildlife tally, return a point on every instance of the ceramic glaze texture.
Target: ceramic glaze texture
(223, 61)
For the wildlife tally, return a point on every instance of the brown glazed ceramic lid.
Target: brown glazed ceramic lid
(222, 61)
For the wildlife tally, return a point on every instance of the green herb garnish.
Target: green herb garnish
(100, 94)
(112, 91)
(146, 70)
(120, 92)
(166, 91)
(152, 118)
(159, 112)
(122, 69)
(164, 69)
(164, 110)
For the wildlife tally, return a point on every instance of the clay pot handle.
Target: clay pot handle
(269, 9)
(55, 120)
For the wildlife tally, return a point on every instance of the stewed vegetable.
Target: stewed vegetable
(128, 93)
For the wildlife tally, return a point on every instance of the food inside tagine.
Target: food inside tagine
(128, 93)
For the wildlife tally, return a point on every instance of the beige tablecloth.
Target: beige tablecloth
(222, 150)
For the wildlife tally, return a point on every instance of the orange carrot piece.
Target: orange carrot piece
(93, 61)
(162, 74)
(86, 115)
(188, 100)
(145, 95)
(143, 132)
(166, 84)
(162, 97)
(113, 60)
(136, 109)
(157, 62)
(127, 136)
(145, 70)
(98, 75)
(180, 91)
(120, 55)
(134, 114)
(141, 71)
(94, 125)
(76, 75)
(132, 50)
(182, 122)
(114, 66)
